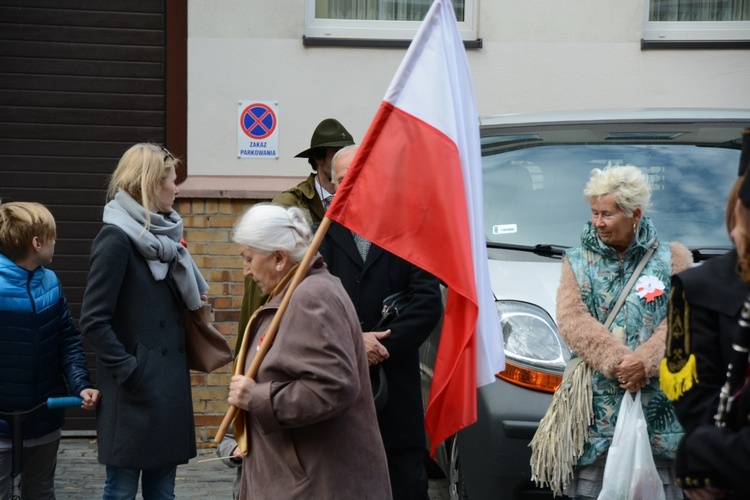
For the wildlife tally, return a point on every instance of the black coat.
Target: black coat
(368, 283)
(137, 329)
(704, 310)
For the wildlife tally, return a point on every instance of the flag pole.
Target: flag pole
(265, 344)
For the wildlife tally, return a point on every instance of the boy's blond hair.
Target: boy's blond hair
(20, 222)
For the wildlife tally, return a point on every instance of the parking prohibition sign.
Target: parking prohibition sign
(258, 129)
(258, 121)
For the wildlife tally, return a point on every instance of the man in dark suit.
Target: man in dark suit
(369, 274)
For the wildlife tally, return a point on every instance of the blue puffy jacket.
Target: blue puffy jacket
(39, 345)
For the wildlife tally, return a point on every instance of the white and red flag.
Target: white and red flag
(415, 189)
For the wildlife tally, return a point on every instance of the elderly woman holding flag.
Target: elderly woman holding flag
(307, 426)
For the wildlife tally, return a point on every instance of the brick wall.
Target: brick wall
(208, 224)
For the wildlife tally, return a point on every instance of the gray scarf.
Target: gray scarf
(159, 245)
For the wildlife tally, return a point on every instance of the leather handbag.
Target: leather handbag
(207, 349)
(392, 307)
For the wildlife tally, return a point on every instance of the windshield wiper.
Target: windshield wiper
(705, 253)
(556, 251)
(543, 249)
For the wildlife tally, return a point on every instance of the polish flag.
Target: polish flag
(415, 189)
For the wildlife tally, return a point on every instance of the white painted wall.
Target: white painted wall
(538, 55)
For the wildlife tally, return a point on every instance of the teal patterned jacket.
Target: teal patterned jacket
(601, 277)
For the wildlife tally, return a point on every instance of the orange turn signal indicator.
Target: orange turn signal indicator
(531, 379)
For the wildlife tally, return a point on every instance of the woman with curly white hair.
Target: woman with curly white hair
(307, 426)
(624, 357)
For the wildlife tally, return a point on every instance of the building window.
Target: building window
(697, 20)
(378, 19)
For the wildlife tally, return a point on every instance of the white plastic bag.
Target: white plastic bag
(630, 472)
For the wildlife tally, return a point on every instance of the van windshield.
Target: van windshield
(533, 189)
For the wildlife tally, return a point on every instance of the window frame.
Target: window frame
(693, 31)
(328, 31)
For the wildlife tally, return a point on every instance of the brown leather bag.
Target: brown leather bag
(207, 349)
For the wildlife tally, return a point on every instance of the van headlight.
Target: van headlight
(535, 355)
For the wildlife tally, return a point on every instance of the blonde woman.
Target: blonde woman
(140, 280)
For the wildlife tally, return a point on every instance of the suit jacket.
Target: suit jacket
(704, 309)
(137, 329)
(401, 421)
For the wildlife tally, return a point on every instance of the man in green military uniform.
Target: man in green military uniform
(314, 194)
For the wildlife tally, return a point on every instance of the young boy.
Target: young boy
(40, 346)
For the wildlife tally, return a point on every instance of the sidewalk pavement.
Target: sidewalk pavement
(81, 477)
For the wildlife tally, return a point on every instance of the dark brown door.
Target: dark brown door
(80, 81)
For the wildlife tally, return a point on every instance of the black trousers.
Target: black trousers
(407, 473)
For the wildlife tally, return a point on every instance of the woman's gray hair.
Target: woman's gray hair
(266, 227)
(627, 183)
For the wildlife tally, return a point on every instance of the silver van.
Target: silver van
(535, 167)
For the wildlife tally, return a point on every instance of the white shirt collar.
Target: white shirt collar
(322, 193)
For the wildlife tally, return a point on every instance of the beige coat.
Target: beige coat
(312, 424)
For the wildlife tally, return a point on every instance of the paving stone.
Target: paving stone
(81, 477)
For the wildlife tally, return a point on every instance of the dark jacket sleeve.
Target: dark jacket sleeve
(717, 457)
(109, 260)
(704, 306)
(72, 358)
(420, 316)
(697, 405)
